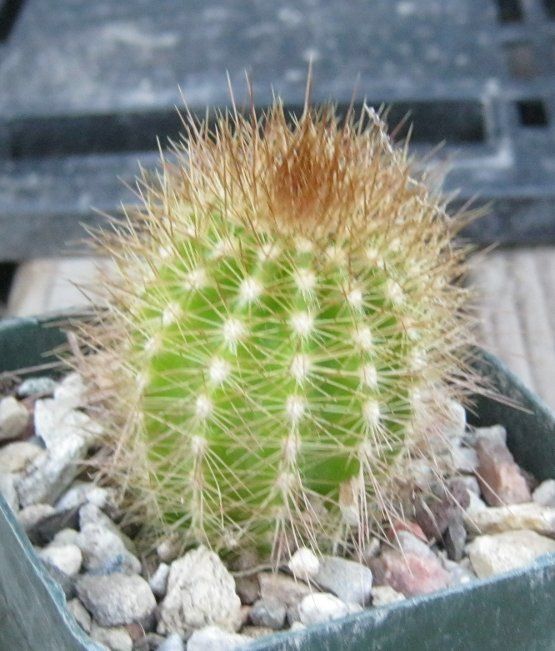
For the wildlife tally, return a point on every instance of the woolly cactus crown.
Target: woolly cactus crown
(282, 334)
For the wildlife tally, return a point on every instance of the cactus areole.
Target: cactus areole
(282, 336)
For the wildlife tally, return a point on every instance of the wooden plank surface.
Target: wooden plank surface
(516, 305)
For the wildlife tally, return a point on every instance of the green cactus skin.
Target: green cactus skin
(283, 317)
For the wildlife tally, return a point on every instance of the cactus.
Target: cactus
(283, 333)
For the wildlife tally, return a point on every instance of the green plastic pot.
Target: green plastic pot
(511, 612)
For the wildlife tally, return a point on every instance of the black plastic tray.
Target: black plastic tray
(87, 87)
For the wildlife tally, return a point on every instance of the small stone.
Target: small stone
(32, 515)
(411, 544)
(67, 558)
(511, 550)
(499, 476)
(475, 504)
(116, 599)
(13, 418)
(247, 588)
(200, 592)
(36, 386)
(288, 591)
(382, 595)
(16, 456)
(454, 538)
(213, 638)
(410, 573)
(8, 490)
(464, 459)
(323, 607)
(71, 392)
(350, 581)
(304, 564)
(158, 582)
(115, 638)
(82, 492)
(65, 537)
(268, 613)
(172, 643)
(495, 433)
(55, 423)
(105, 552)
(91, 514)
(420, 474)
(530, 515)
(168, 549)
(50, 474)
(545, 493)
(453, 422)
(80, 613)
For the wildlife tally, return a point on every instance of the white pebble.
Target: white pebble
(511, 550)
(322, 607)
(200, 590)
(116, 638)
(16, 456)
(65, 537)
(56, 423)
(454, 424)
(36, 385)
(159, 580)
(67, 558)
(304, 563)
(71, 391)
(13, 418)
(545, 493)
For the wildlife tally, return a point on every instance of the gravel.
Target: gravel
(304, 564)
(158, 582)
(67, 558)
(348, 580)
(116, 599)
(511, 550)
(200, 592)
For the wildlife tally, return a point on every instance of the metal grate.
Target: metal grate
(87, 87)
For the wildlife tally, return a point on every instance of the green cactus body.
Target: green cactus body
(276, 360)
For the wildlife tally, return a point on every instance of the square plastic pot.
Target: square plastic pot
(513, 611)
